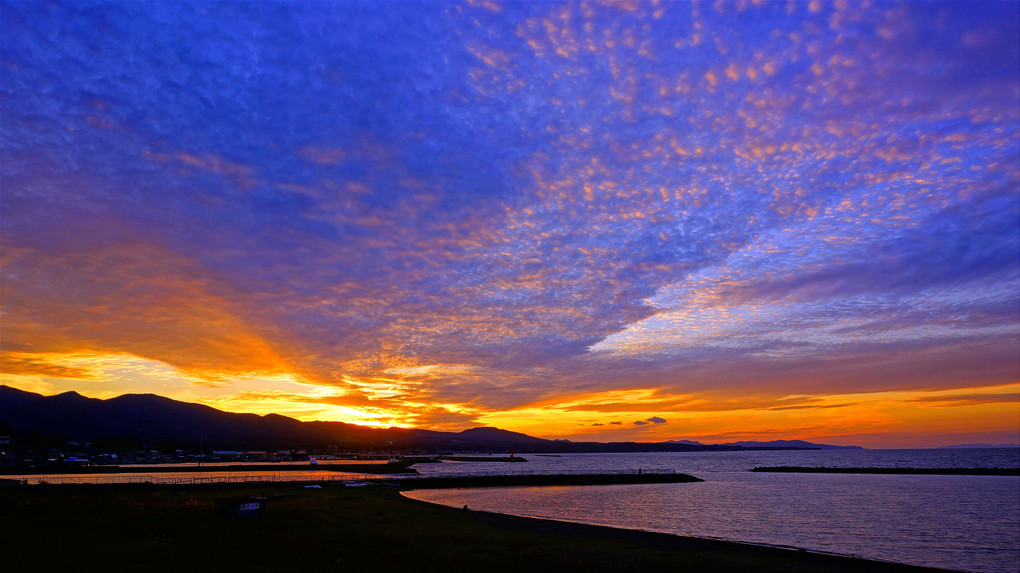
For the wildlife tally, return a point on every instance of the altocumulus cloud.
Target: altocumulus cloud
(761, 200)
(652, 420)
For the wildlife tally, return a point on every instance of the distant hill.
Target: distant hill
(158, 420)
(153, 419)
(774, 445)
(797, 444)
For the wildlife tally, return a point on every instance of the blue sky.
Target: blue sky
(562, 218)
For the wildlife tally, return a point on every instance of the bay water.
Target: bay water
(965, 523)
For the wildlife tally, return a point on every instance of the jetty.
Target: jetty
(510, 459)
(539, 479)
(893, 471)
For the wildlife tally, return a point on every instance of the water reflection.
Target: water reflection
(957, 522)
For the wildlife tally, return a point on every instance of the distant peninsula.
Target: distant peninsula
(777, 444)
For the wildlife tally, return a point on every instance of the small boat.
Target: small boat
(355, 483)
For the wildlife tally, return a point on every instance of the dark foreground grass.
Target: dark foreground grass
(150, 528)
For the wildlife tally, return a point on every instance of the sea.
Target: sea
(963, 523)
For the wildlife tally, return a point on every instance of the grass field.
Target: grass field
(152, 528)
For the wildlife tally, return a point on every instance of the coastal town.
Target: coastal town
(52, 454)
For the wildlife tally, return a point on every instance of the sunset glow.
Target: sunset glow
(648, 221)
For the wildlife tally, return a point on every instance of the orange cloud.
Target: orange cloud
(132, 298)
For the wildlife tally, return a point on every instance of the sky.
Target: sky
(642, 221)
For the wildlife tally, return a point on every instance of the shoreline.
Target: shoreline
(813, 560)
(369, 468)
(158, 528)
(401, 480)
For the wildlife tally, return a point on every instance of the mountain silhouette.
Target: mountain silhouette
(152, 418)
(156, 419)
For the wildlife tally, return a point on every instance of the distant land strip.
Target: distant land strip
(388, 468)
(914, 471)
(510, 459)
(544, 479)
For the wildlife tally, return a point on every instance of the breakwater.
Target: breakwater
(525, 479)
(489, 459)
(893, 471)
